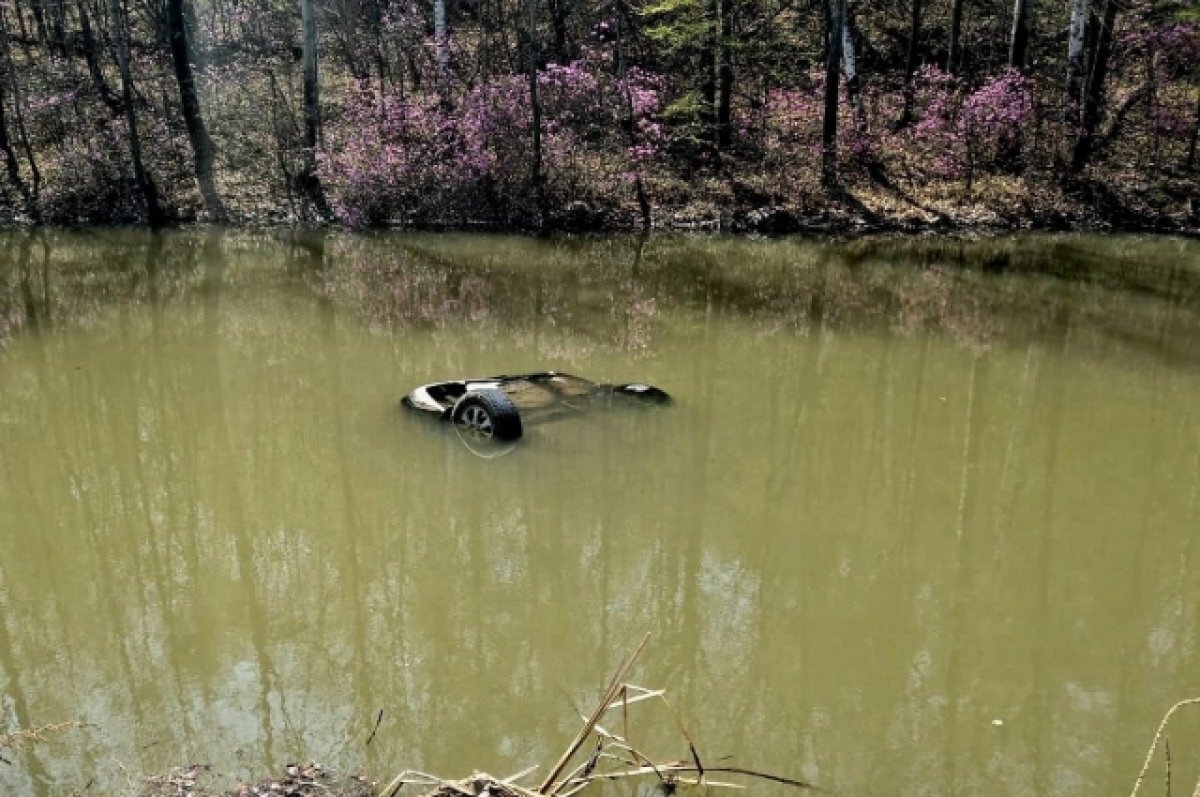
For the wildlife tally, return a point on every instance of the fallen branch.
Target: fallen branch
(378, 719)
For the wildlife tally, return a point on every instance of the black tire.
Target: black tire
(647, 394)
(488, 414)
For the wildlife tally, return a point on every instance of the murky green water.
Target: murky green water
(924, 519)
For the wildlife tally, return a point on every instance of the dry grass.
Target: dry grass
(19, 740)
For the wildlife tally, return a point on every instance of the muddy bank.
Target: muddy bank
(292, 780)
(742, 204)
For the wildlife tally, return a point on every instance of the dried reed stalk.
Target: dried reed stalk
(610, 694)
(683, 766)
(1162, 727)
(1167, 755)
(613, 758)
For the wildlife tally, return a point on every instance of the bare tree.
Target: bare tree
(910, 64)
(11, 164)
(952, 54)
(725, 77)
(1075, 41)
(442, 52)
(708, 76)
(833, 71)
(1189, 162)
(535, 168)
(145, 183)
(630, 120)
(850, 68)
(92, 58)
(560, 11)
(312, 110)
(58, 27)
(39, 19)
(1085, 138)
(203, 150)
(1022, 30)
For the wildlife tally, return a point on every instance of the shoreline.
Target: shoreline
(847, 228)
(993, 208)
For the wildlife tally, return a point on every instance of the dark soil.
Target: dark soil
(296, 780)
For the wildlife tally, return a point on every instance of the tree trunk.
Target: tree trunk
(537, 179)
(1018, 58)
(708, 77)
(850, 68)
(39, 20)
(284, 130)
(11, 164)
(952, 54)
(1094, 98)
(833, 71)
(910, 65)
(1152, 107)
(725, 79)
(631, 123)
(312, 99)
(560, 10)
(442, 53)
(1116, 116)
(91, 56)
(20, 17)
(312, 111)
(203, 150)
(58, 24)
(1075, 52)
(375, 9)
(1022, 28)
(145, 184)
(827, 12)
(31, 194)
(1190, 162)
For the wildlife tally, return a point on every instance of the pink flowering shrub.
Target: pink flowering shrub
(421, 158)
(992, 119)
(1170, 52)
(1175, 46)
(786, 129)
(91, 175)
(793, 121)
(961, 133)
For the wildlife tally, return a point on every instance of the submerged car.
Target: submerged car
(499, 407)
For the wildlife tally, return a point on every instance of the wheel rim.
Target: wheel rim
(477, 421)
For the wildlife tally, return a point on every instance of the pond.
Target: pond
(924, 518)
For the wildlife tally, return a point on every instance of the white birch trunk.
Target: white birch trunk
(442, 53)
(1075, 39)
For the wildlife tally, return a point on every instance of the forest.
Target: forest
(768, 115)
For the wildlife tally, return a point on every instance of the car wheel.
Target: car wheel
(487, 415)
(646, 393)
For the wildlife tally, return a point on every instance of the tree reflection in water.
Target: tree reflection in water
(901, 495)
